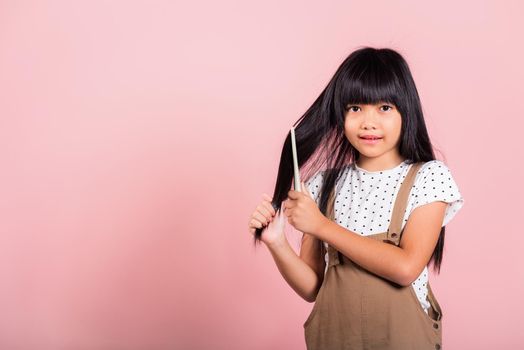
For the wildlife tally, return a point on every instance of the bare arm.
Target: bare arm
(310, 254)
(402, 264)
(303, 273)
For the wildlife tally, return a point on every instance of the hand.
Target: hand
(265, 214)
(302, 211)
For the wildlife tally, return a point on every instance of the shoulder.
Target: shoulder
(434, 182)
(433, 165)
(434, 170)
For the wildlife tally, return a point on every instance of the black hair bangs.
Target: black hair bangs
(368, 81)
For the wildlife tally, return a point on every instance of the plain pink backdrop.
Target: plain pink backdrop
(136, 138)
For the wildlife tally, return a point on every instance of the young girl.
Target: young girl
(372, 220)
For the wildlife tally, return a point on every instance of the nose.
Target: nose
(368, 123)
(369, 120)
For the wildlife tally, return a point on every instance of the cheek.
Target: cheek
(350, 129)
(393, 127)
(350, 124)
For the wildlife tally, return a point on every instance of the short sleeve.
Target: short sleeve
(314, 185)
(434, 182)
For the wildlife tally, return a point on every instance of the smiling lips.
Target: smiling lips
(370, 139)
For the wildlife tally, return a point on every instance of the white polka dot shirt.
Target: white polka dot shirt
(365, 199)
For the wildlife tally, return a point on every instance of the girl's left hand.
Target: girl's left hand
(302, 211)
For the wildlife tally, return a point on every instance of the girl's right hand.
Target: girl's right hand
(265, 217)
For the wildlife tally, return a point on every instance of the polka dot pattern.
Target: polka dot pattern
(365, 199)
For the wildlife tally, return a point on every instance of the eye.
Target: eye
(350, 108)
(390, 107)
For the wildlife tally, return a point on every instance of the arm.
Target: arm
(402, 264)
(301, 273)
(310, 254)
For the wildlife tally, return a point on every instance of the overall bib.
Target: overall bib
(356, 309)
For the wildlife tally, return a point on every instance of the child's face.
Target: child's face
(382, 120)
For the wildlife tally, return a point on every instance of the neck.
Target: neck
(378, 164)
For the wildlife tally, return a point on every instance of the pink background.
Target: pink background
(136, 138)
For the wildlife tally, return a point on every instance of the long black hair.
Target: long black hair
(367, 76)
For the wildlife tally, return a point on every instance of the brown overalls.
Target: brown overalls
(356, 309)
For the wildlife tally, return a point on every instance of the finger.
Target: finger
(255, 223)
(289, 204)
(269, 207)
(260, 217)
(265, 209)
(267, 197)
(288, 211)
(293, 194)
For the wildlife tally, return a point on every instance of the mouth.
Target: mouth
(370, 140)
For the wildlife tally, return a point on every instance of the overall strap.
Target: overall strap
(394, 231)
(334, 257)
(401, 202)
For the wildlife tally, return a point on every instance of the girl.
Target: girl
(372, 220)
